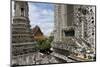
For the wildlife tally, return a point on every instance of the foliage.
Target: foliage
(45, 44)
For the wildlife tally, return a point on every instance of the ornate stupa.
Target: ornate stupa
(22, 41)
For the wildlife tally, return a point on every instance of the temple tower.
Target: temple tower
(22, 41)
(64, 32)
(74, 31)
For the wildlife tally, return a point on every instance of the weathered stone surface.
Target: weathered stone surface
(74, 28)
(22, 41)
(34, 58)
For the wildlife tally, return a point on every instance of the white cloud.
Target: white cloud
(44, 18)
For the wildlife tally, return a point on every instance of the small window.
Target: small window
(69, 33)
(22, 11)
(92, 33)
(92, 21)
(92, 17)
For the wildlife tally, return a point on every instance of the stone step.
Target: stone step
(62, 57)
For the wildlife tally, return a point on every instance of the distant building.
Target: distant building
(37, 34)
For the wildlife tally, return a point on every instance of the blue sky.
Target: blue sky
(42, 14)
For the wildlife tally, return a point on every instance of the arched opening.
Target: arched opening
(22, 11)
